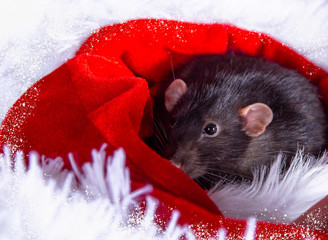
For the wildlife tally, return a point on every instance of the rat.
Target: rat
(234, 113)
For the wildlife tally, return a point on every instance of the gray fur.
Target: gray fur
(218, 87)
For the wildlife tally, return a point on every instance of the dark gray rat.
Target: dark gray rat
(234, 113)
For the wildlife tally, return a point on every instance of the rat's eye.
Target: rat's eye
(211, 130)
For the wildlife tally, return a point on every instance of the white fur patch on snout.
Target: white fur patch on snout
(178, 165)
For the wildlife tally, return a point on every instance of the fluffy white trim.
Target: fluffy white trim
(45, 203)
(277, 198)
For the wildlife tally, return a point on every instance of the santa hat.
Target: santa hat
(104, 95)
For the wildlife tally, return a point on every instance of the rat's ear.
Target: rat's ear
(256, 117)
(173, 93)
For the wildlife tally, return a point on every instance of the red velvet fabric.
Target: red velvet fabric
(104, 94)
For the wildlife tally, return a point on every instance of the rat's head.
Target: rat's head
(208, 139)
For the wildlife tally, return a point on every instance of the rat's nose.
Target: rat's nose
(178, 165)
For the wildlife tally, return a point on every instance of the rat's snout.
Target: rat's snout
(178, 160)
(186, 158)
(169, 153)
(178, 165)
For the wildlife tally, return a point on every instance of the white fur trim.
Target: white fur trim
(33, 205)
(278, 198)
(44, 204)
